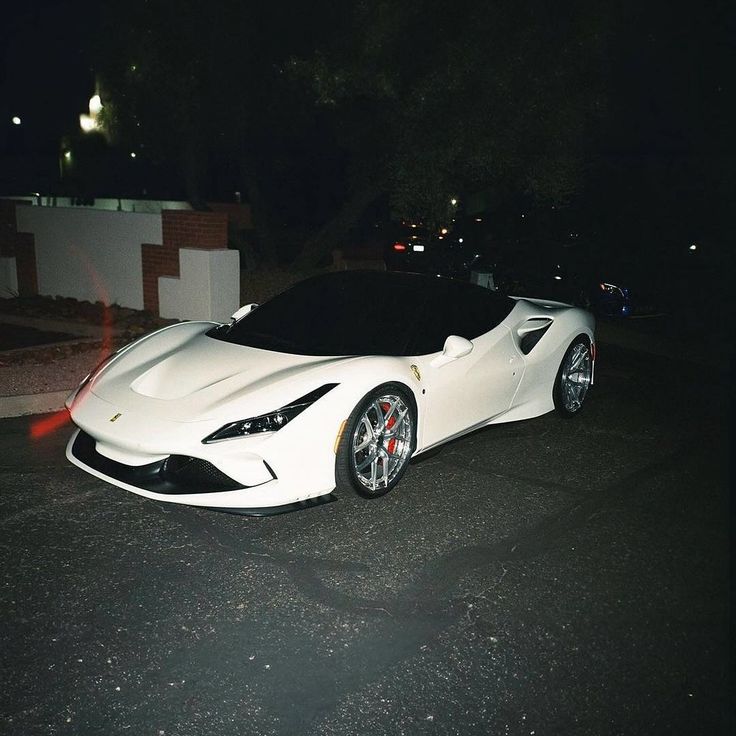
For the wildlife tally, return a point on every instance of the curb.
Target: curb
(18, 406)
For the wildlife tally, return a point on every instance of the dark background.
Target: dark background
(654, 156)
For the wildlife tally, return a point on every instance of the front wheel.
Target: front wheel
(377, 442)
(574, 377)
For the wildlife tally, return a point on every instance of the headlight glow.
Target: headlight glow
(271, 422)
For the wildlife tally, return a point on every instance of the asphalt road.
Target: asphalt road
(547, 577)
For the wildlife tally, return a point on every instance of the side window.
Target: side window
(467, 312)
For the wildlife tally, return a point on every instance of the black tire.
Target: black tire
(388, 447)
(572, 382)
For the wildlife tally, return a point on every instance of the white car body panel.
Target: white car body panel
(162, 395)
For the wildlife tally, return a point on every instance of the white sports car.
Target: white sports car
(334, 384)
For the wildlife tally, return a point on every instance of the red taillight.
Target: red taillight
(399, 247)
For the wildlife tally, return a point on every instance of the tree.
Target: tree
(202, 89)
(410, 100)
(430, 102)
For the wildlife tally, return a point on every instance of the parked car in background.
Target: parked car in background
(415, 247)
(564, 264)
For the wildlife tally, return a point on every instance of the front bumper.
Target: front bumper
(199, 483)
(134, 445)
(174, 475)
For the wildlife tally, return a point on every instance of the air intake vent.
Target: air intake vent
(194, 473)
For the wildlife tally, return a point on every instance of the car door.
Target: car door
(462, 391)
(467, 391)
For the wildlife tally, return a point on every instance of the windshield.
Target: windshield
(367, 313)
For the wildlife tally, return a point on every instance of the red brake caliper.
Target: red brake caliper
(385, 406)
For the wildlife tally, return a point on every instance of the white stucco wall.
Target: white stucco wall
(208, 286)
(90, 254)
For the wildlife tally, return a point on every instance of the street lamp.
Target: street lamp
(15, 120)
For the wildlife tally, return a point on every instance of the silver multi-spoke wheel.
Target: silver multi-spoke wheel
(377, 441)
(574, 377)
(381, 442)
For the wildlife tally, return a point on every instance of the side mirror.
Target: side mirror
(246, 309)
(455, 347)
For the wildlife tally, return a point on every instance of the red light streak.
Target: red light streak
(42, 427)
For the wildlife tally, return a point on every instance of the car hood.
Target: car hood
(184, 375)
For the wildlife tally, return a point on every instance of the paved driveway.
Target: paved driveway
(545, 577)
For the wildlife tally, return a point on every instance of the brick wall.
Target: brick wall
(181, 229)
(238, 215)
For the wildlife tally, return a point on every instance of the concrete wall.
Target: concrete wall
(89, 254)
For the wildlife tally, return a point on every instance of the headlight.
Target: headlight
(271, 422)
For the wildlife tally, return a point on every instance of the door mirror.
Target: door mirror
(455, 347)
(246, 309)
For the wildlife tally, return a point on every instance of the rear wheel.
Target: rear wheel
(574, 377)
(377, 442)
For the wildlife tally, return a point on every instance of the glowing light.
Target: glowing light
(453, 201)
(132, 154)
(87, 123)
(95, 105)
(68, 155)
(459, 240)
(558, 277)
(47, 425)
(444, 231)
(693, 247)
(15, 120)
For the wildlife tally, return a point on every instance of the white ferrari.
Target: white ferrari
(334, 384)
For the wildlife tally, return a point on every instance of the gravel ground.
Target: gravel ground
(60, 366)
(39, 375)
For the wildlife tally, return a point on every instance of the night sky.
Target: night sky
(666, 74)
(47, 72)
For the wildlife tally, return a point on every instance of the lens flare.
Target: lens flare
(42, 427)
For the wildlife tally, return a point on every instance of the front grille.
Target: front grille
(195, 473)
